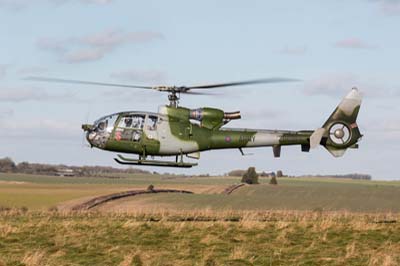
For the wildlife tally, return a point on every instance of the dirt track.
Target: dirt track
(103, 199)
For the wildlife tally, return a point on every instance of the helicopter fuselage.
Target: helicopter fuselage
(175, 131)
(178, 131)
(172, 132)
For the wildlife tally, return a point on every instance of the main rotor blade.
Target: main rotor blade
(197, 93)
(247, 82)
(70, 81)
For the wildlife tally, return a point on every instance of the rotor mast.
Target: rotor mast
(173, 99)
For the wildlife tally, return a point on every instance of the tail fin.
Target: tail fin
(340, 131)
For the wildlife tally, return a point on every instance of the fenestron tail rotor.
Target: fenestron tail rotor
(174, 91)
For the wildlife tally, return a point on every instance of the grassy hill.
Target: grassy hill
(42, 192)
(274, 238)
(307, 221)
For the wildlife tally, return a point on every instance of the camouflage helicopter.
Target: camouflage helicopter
(178, 131)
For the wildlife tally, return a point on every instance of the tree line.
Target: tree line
(279, 173)
(7, 165)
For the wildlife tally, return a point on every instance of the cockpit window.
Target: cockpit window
(106, 124)
(132, 121)
(130, 127)
(151, 123)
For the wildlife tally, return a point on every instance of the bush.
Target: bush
(273, 181)
(250, 177)
(7, 165)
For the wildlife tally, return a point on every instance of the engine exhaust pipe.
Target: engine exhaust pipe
(232, 115)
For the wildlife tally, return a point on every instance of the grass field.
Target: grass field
(223, 238)
(308, 221)
(43, 192)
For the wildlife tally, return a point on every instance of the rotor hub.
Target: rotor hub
(339, 133)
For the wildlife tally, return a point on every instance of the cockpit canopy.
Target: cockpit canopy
(125, 126)
(106, 123)
(132, 120)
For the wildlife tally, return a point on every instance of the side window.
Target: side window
(151, 123)
(138, 121)
(132, 121)
(110, 123)
(106, 124)
(128, 134)
(130, 128)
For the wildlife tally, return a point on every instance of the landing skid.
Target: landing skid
(144, 162)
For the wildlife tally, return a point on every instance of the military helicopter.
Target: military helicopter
(178, 131)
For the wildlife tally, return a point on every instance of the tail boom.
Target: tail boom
(338, 133)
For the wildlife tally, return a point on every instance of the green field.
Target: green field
(281, 238)
(302, 221)
(43, 192)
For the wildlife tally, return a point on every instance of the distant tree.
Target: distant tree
(273, 181)
(279, 173)
(237, 173)
(250, 177)
(150, 188)
(7, 165)
(265, 174)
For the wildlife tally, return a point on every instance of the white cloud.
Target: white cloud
(389, 7)
(53, 45)
(14, 4)
(97, 1)
(41, 128)
(383, 129)
(354, 43)
(149, 76)
(32, 70)
(22, 4)
(6, 112)
(392, 125)
(85, 55)
(337, 84)
(331, 84)
(113, 38)
(94, 47)
(32, 94)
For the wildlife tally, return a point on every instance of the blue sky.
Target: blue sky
(330, 47)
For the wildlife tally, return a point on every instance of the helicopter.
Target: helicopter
(178, 131)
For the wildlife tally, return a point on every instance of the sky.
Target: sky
(330, 46)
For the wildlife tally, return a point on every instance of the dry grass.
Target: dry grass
(202, 229)
(199, 238)
(36, 258)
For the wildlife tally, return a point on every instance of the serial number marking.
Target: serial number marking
(247, 138)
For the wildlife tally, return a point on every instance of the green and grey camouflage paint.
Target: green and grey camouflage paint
(180, 131)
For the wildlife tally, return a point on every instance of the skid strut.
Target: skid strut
(143, 161)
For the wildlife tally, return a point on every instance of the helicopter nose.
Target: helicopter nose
(90, 134)
(96, 135)
(90, 137)
(87, 127)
